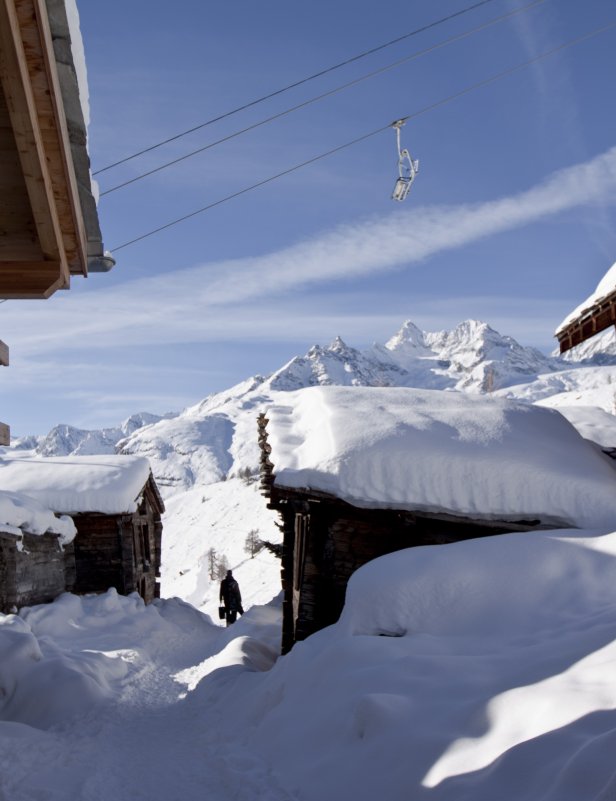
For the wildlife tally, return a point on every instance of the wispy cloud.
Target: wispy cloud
(208, 302)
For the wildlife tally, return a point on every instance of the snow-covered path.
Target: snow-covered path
(158, 735)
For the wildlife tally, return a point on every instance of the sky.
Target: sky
(511, 218)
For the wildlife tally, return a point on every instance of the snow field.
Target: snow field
(218, 516)
(466, 672)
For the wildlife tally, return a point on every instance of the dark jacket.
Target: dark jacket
(230, 594)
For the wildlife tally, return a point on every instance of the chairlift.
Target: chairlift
(407, 167)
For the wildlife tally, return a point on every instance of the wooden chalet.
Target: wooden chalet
(121, 550)
(49, 227)
(116, 507)
(408, 482)
(596, 314)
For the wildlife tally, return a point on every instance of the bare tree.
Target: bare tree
(253, 544)
(248, 475)
(221, 567)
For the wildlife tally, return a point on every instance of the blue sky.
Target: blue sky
(512, 218)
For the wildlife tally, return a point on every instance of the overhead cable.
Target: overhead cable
(329, 93)
(312, 77)
(424, 110)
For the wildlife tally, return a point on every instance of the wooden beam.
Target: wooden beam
(54, 129)
(30, 279)
(591, 321)
(18, 92)
(5, 434)
(4, 354)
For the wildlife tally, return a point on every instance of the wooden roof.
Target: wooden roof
(43, 207)
(592, 320)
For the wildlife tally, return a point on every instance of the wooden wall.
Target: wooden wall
(326, 541)
(35, 574)
(121, 551)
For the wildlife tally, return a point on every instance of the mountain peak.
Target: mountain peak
(338, 345)
(408, 338)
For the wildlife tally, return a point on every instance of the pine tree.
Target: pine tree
(212, 564)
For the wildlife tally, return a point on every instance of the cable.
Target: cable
(296, 84)
(359, 139)
(329, 93)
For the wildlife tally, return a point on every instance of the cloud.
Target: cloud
(212, 302)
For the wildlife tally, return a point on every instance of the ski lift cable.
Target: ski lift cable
(413, 115)
(294, 85)
(336, 90)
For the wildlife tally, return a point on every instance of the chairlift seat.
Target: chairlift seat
(401, 189)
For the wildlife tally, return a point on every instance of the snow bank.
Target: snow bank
(496, 680)
(440, 452)
(605, 286)
(500, 586)
(20, 513)
(62, 660)
(73, 484)
(591, 422)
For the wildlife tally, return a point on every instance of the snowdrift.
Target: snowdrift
(467, 672)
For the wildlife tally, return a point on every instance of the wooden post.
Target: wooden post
(266, 466)
(5, 432)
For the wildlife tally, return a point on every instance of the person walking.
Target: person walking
(231, 597)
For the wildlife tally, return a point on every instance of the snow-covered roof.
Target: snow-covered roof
(444, 452)
(20, 513)
(73, 484)
(604, 288)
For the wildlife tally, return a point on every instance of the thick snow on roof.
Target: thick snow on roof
(606, 285)
(436, 451)
(73, 484)
(20, 513)
(79, 58)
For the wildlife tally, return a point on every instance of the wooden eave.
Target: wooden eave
(305, 495)
(42, 233)
(592, 320)
(155, 496)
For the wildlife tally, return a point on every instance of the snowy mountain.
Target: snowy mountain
(471, 357)
(65, 440)
(215, 438)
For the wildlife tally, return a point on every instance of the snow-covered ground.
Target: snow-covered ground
(219, 516)
(103, 698)
(470, 672)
